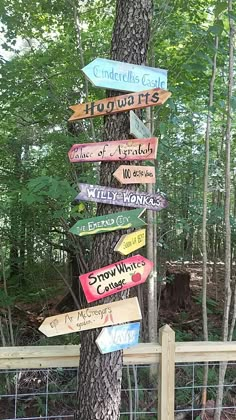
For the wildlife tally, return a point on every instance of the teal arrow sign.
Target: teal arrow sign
(108, 223)
(125, 77)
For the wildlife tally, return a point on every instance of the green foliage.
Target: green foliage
(53, 192)
(212, 305)
(6, 300)
(181, 335)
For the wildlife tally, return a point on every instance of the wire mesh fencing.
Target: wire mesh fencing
(189, 379)
(33, 394)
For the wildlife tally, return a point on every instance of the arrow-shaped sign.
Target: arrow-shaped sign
(93, 317)
(122, 103)
(128, 77)
(118, 337)
(140, 149)
(108, 223)
(131, 242)
(116, 196)
(137, 127)
(115, 278)
(129, 174)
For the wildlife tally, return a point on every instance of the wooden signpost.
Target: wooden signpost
(140, 149)
(115, 278)
(126, 77)
(120, 197)
(108, 223)
(93, 317)
(122, 103)
(131, 242)
(129, 174)
(137, 127)
(118, 337)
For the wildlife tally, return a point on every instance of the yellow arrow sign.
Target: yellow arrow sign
(131, 242)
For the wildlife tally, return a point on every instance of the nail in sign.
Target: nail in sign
(122, 103)
(118, 337)
(129, 174)
(121, 197)
(140, 149)
(108, 223)
(111, 74)
(115, 278)
(93, 317)
(131, 242)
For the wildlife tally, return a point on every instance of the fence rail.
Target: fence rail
(166, 354)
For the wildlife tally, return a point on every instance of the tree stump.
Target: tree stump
(177, 291)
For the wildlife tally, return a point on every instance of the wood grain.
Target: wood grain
(121, 103)
(93, 317)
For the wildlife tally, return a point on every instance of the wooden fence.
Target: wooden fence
(166, 354)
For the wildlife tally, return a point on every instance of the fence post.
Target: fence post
(166, 380)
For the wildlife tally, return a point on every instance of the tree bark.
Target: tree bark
(204, 223)
(100, 375)
(177, 293)
(15, 215)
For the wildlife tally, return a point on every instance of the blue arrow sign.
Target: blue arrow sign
(118, 337)
(125, 77)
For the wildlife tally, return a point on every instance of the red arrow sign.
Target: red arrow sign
(116, 277)
(135, 149)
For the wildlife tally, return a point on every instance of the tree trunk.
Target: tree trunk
(204, 224)
(228, 138)
(15, 214)
(177, 293)
(99, 385)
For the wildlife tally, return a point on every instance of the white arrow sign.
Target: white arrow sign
(137, 127)
(125, 77)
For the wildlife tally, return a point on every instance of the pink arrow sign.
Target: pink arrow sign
(135, 149)
(115, 278)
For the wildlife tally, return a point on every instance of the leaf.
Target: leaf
(81, 207)
(232, 16)
(217, 29)
(163, 128)
(220, 7)
(171, 104)
(233, 102)
(6, 300)
(212, 108)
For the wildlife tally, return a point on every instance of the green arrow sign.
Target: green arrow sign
(109, 222)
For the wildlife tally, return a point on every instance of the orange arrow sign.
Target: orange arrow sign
(122, 103)
(129, 174)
